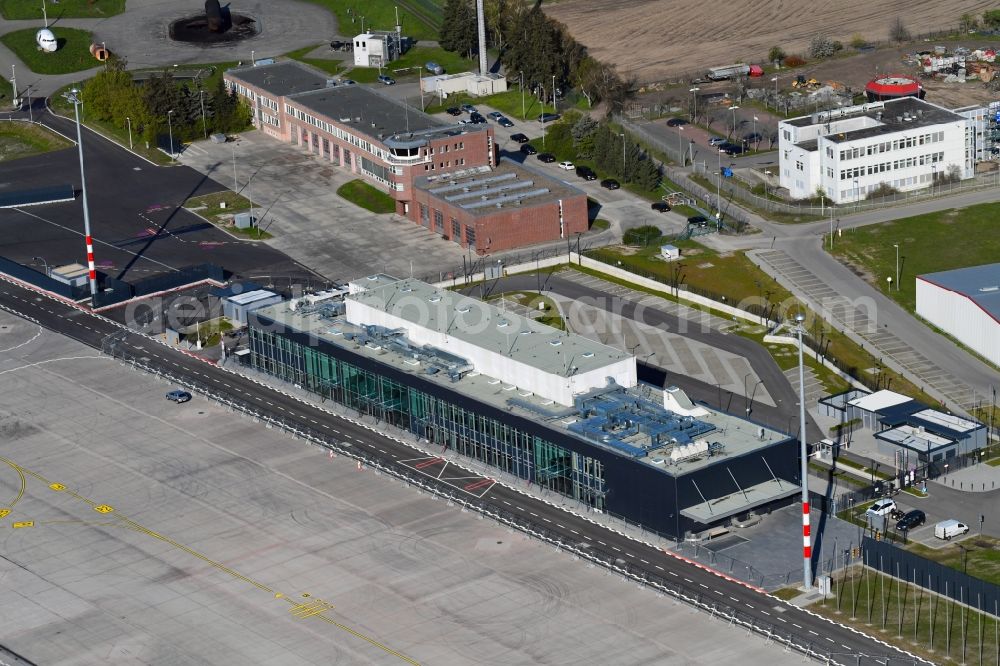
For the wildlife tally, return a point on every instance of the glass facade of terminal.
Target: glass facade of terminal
(436, 419)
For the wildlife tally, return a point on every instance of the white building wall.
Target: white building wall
(496, 364)
(961, 318)
(799, 171)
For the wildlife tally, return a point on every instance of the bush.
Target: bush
(898, 31)
(644, 235)
(793, 61)
(822, 46)
(883, 190)
(776, 54)
(858, 41)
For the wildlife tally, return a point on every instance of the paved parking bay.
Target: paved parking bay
(141, 531)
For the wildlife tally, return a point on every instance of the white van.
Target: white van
(947, 529)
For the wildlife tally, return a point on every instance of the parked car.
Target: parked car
(910, 520)
(716, 140)
(610, 184)
(476, 118)
(548, 158)
(753, 137)
(883, 507)
(548, 117)
(434, 68)
(454, 111)
(504, 121)
(676, 122)
(698, 220)
(520, 138)
(347, 82)
(730, 148)
(386, 80)
(567, 166)
(947, 529)
(586, 173)
(495, 115)
(660, 206)
(178, 396)
(529, 149)
(464, 121)
(468, 108)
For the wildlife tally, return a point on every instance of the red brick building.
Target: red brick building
(393, 146)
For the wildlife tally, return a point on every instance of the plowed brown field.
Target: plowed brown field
(658, 39)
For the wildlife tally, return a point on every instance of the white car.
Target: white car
(568, 166)
(881, 508)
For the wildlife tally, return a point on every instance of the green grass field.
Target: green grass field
(416, 57)
(73, 54)
(927, 243)
(32, 9)
(328, 66)
(420, 19)
(981, 557)
(362, 194)
(19, 140)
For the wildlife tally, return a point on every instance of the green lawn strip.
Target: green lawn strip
(327, 65)
(600, 225)
(13, 10)
(508, 103)
(207, 205)
(787, 593)
(210, 332)
(19, 140)
(981, 557)
(928, 243)
(364, 195)
(421, 19)
(776, 216)
(909, 616)
(73, 54)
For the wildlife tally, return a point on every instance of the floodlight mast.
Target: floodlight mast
(73, 97)
(806, 538)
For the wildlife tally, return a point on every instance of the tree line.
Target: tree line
(112, 96)
(603, 143)
(535, 47)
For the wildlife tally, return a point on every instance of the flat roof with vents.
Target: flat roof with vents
(507, 186)
(281, 78)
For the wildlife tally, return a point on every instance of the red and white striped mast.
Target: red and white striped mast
(72, 96)
(806, 538)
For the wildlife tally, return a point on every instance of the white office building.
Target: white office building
(848, 153)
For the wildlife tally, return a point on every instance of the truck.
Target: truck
(728, 72)
(947, 529)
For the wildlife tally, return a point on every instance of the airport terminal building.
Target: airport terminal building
(558, 410)
(401, 150)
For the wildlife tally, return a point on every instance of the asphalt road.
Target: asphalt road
(786, 400)
(137, 222)
(840, 644)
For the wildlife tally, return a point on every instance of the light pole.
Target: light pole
(680, 144)
(129, 121)
(13, 84)
(775, 79)
(831, 226)
(45, 263)
(170, 130)
(806, 543)
(236, 185)
(733, 109)
(694, 93)
(204, 126)
(520, 83)
(857, 195)
(756, 140)
(73, 97)
(933, 177)
(896, 245)
(718, 193)
(624, 170)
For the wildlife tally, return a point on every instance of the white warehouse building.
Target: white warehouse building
(965, 303)
(905, 143)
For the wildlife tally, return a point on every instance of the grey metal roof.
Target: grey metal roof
(507, 186)
(281, 78)
(980, 284)
(895, 115)
(486, 326)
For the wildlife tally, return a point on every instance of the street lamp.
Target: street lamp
(806, 546)
(13, 84)
(753, 392)
(73, 96)
(170, 129)
(694, 92)
(933, 177)
(43, 262)
(624, 171)
(680, 144)
(520, 83)
(236, 185)
(733, 109)
(204, 126)
(129, 121)
(896, 245)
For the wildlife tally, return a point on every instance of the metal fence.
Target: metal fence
(118, 291)
(710, 603)
(907, 566)
(40, 280)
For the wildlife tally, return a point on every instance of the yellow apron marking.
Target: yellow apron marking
(103, 508)
(57, 487)
(23, 523)
(4, 513)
